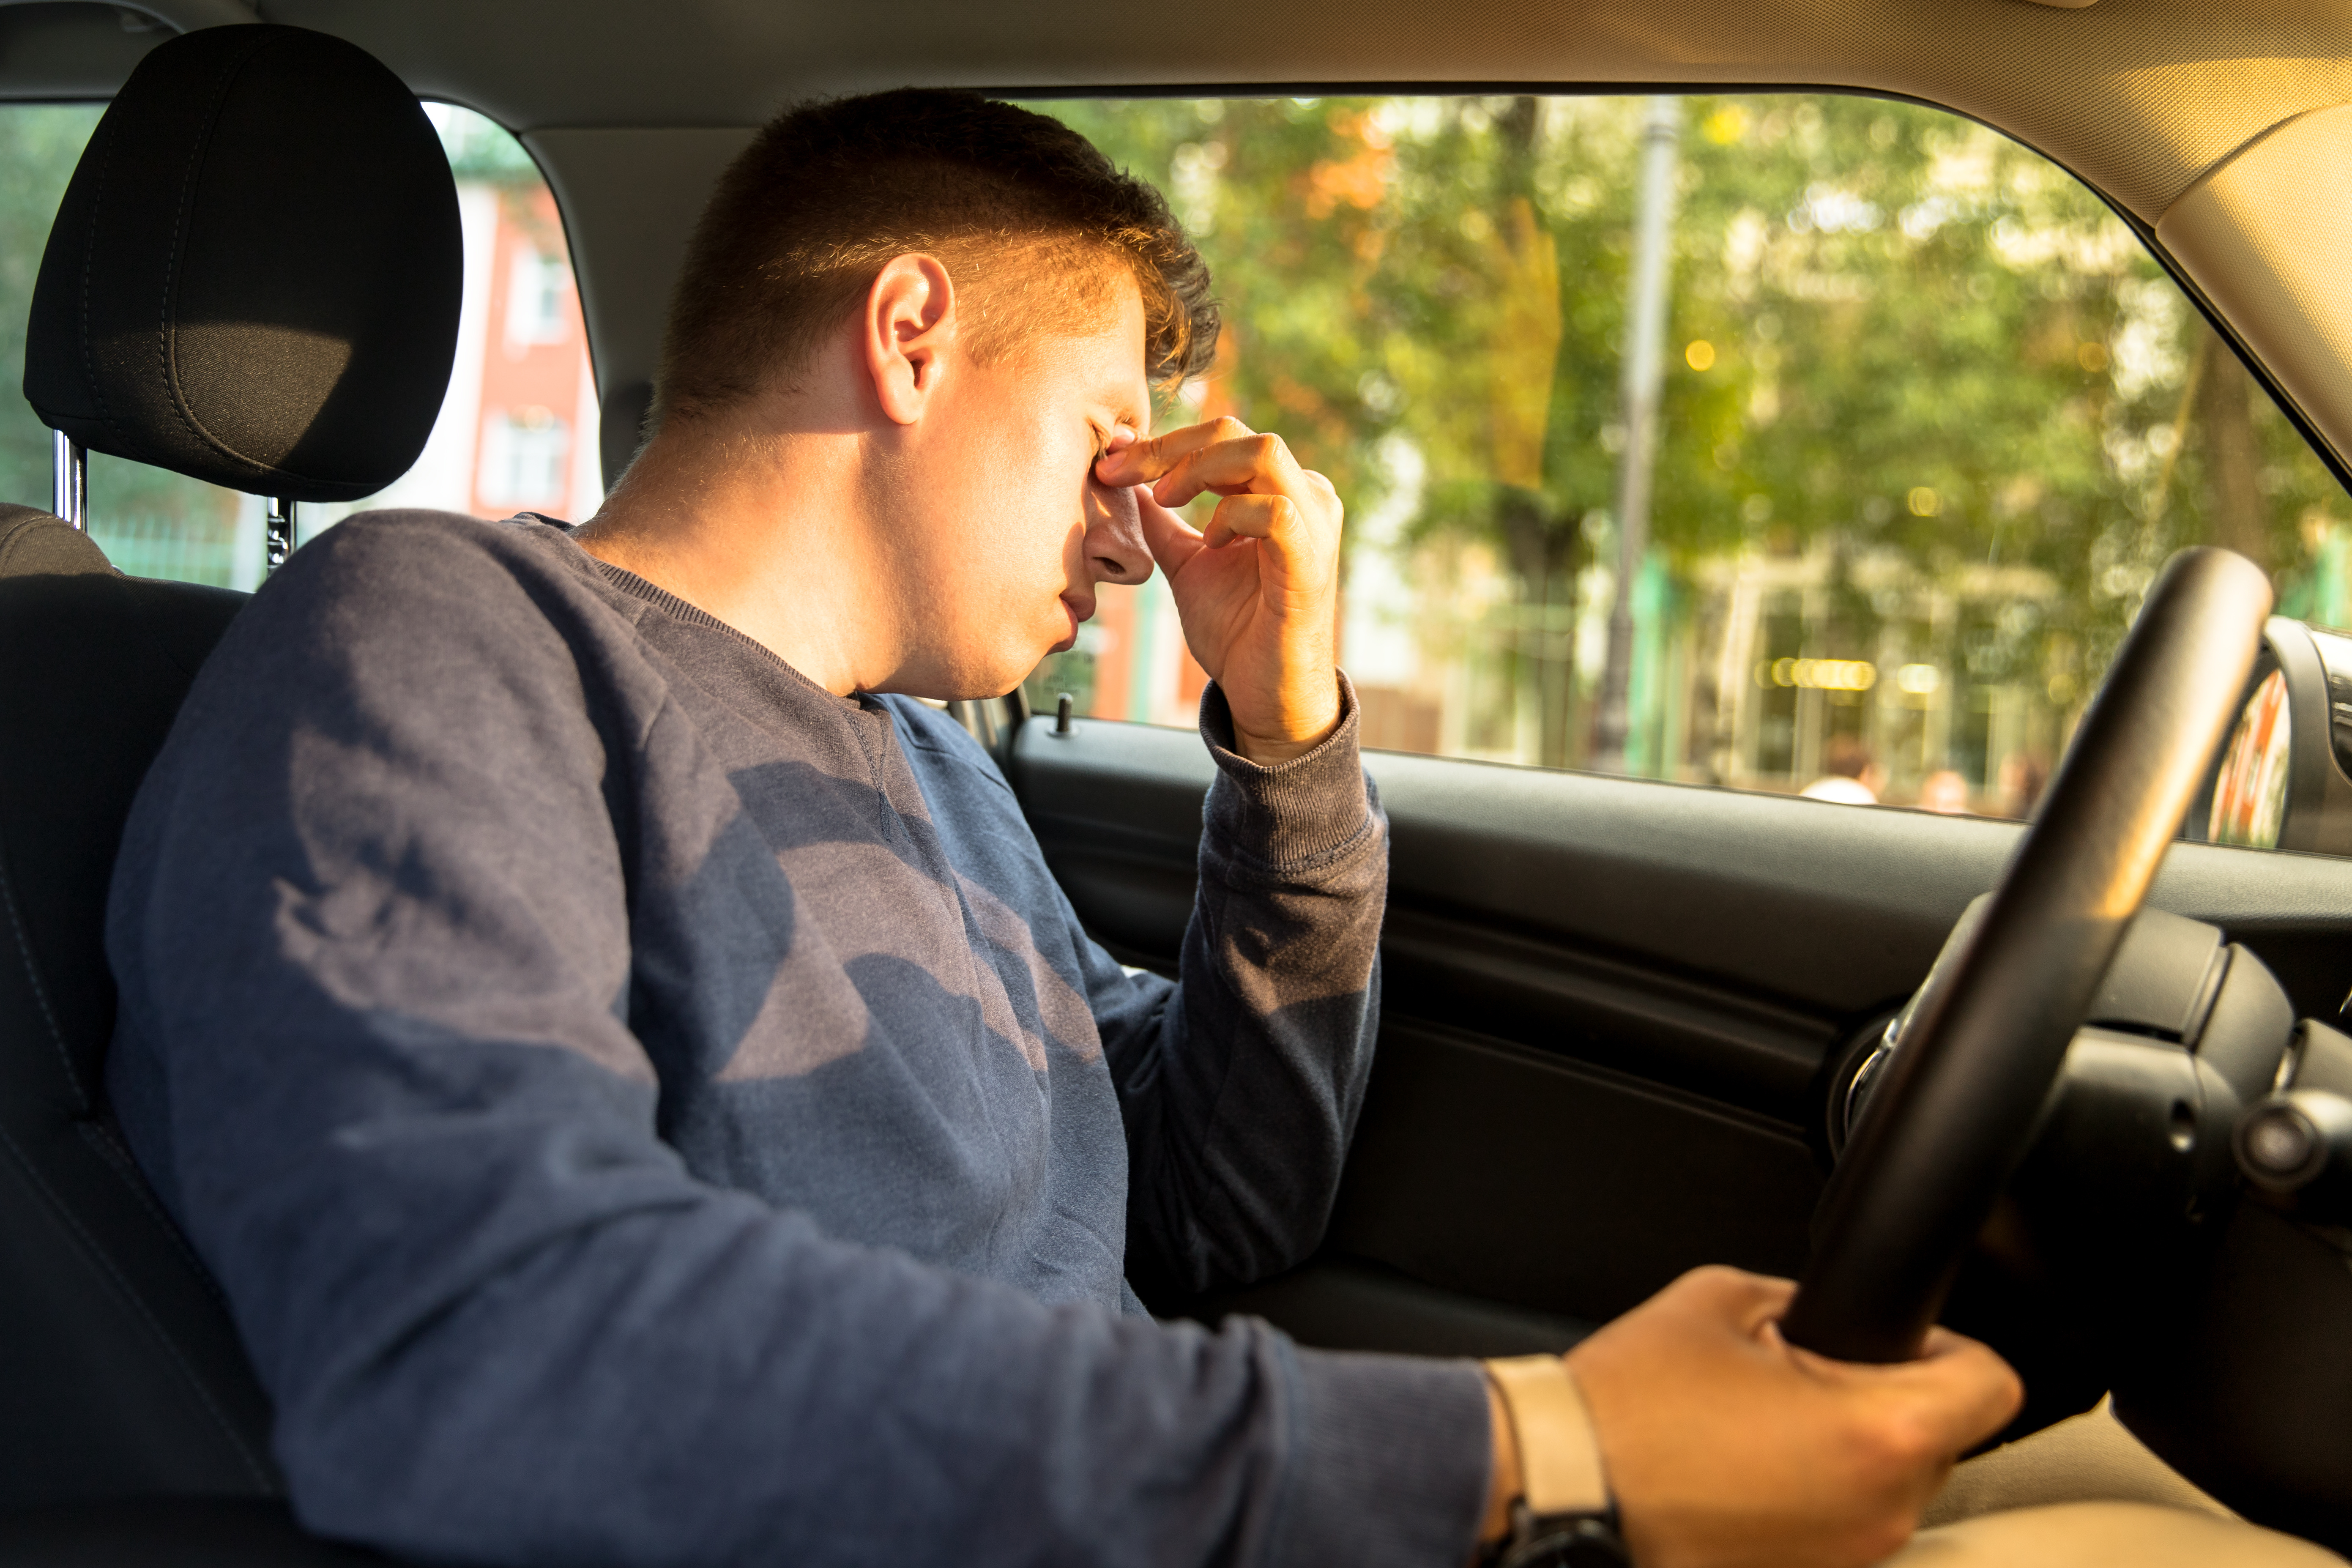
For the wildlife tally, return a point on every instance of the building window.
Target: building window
(539, 289)
(525, 453)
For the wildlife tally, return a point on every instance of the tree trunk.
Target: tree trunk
(1523, 360)
(2233, 497)
(1544, 558)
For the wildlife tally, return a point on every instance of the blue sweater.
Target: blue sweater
(645, 1109)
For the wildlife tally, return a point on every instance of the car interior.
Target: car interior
(2074, 1085)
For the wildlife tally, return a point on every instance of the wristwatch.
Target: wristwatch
(1562, 1540)
(1564, 1516)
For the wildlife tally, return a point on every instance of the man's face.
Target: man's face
(1002, 532)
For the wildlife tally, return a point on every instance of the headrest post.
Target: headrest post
(69, 480)
(277, 534)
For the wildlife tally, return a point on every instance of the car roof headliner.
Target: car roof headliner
(2136, 96)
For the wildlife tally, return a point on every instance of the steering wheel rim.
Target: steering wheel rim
(1964, 1090)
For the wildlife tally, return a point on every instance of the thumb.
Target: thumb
(1966, 1386)
(1172, 541)
(1956, 1394)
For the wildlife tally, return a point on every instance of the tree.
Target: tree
(1901, 339)
(38, 147)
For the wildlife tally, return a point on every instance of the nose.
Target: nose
(1115, 549)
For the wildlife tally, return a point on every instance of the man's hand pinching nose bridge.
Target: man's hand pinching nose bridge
(1257, 590)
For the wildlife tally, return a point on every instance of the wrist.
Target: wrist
(1548, 1484)
(1293, 733)
(1271, 751)
(1502, 1486)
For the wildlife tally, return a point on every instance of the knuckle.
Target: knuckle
(1712, 1277)
(1896, 1447)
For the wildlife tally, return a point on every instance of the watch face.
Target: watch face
(1578, 1543)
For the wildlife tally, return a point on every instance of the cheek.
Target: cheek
(1042, 517)
(1019, 516)
(1017, 553)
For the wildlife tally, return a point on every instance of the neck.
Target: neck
(770, 530)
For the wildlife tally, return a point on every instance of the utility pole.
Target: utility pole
(1644, 374)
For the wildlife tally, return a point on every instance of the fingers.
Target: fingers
(1143, 461)
(1172, 541)
(1224, 456)
(1261, 619)
(1268, 518)
(1726, 1443)
(1245, 463)
(1975, 1392)
(1957, 1392)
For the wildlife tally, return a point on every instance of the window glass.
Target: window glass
(517, 428)
(1928, 419)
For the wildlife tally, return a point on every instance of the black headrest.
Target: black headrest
(255, 276)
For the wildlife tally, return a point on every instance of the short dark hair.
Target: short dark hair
(1026, 212)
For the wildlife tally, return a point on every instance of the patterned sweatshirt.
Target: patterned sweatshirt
(645, 1109)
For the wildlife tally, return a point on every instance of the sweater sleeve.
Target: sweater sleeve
(1241, 1087)
(370, 926)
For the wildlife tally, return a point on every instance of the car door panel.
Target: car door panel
(1518, 1175)
(1601, 1008)
(1611, 1009)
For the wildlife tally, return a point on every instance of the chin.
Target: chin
(999, 678)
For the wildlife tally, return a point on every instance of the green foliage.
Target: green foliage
(38, 146)
(480, 149)
(1930, 341)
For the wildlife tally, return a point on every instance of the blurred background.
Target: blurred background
(1928, 418)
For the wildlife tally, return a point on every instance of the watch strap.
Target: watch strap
(1559, 1454)
(1563, 1516)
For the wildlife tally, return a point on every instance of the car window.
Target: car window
(517, 429)
(1928, 419)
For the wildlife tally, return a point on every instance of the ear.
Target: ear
(908, 326)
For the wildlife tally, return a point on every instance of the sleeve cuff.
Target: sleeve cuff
(1388, 1463)
(1296, 815)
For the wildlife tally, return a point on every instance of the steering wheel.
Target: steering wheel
(1965, 1086)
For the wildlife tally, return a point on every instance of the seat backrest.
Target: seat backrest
(123, 1374)
(254, 278)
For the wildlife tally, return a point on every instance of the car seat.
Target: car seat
(253, 279)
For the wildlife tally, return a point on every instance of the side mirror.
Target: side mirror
(2284, 778)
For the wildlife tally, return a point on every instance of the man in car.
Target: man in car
(644, 1096)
